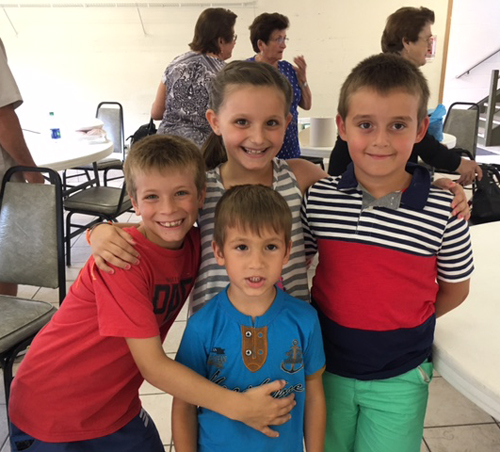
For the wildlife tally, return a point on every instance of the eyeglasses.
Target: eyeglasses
(281, 40)
(429, 40)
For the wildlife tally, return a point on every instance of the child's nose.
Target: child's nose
(258, 135)
(167, 205)
(256, 259)
(380, 138)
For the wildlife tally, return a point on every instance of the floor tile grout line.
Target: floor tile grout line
(432, 427)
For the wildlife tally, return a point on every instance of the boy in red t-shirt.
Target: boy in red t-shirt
(78, 386)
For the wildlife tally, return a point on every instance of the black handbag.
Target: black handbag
(486, 196)
(142, 132)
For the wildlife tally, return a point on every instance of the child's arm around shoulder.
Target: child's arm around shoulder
(306, 173)
(315, 413)
(450, 296)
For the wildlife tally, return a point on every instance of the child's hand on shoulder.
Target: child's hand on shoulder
(459, 204)
(112, 245)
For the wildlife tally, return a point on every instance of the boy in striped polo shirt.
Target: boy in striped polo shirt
(392, 258)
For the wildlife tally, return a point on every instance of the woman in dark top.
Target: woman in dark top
(408, 33)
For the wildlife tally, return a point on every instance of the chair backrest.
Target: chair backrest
(31, 232)
(462, 121)
(111, 114)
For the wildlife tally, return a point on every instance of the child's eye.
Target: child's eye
(365, 125)
(273, 123)
(399, 126)
(271, 247)
(151, 197)
(181, 193)
(241, 122)
(241, 247)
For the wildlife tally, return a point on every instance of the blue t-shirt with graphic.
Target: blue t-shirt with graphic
(227, 347)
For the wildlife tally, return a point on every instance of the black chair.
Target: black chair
(105, 203)
(32, 253)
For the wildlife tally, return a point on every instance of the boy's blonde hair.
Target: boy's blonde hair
(163, 152)
(253, 208)
(385, 73)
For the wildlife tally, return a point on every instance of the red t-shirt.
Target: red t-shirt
(78, 380)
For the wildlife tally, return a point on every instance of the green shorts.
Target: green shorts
(377, 415)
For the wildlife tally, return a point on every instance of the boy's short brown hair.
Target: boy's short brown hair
(384, 73)
(163, 152)
(253, 208)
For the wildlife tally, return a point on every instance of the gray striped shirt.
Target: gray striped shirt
(213, 278)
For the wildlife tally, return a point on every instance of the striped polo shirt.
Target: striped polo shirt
(212, 278)
(376, 280)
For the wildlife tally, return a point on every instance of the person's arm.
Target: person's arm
(184, 426)
(111, 245)
(306, 173)
(437, 155)
(158, 107)
(339, 158)
(314, 414)
(12, 141)
(301, 70)
(255, 408)
(450, 296)
(468, 170)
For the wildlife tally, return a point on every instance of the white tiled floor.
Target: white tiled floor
(452, 424)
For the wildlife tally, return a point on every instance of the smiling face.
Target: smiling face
(253, 263)
(252, 122)
(272, 50)
(168, 203)
(380, 131)
(418, 50)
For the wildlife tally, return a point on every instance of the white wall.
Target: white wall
(475, 34)
(69, 59)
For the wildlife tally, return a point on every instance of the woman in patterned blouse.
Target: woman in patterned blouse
(182, 97)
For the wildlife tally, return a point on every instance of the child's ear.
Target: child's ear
(288, 252)
(219, 256)
(422, 129)
(135, 205)
(341, 127)
(213, 121)
(289, 118)
(201, 197)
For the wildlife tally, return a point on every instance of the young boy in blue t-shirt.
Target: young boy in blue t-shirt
(253, 332)
(392, 258)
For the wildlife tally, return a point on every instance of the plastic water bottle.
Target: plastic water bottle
(55, 131)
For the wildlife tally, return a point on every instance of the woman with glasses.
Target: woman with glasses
(268, 37)
(182, 97)
(408, 33)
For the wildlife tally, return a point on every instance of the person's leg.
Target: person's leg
(140, 434)
(392, 412)
(341, 413)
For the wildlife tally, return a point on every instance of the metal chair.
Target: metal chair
(111, 114)
(105, 203)
(462, 121)
(32, 253)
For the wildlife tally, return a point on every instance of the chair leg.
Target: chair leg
(68, 239)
